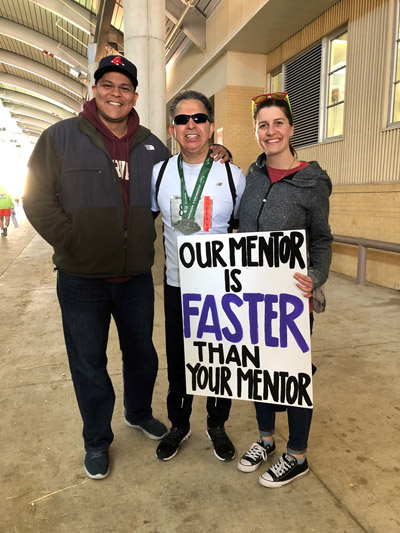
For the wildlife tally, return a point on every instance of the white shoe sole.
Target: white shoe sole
(215, 453)
(97, 476)
(278, 484)
(173, 455)
(149, 435)
(253, 468)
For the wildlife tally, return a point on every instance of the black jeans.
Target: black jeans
(179, 404)
(87, 305)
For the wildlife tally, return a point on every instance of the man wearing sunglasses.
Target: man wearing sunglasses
(194, 195)
(88, 195)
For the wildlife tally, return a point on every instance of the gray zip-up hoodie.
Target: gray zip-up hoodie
(299, 201)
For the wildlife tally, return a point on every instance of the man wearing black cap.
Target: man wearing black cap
(88, 195)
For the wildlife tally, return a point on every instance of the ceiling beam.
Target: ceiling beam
(31, 128)
(25, 111)
(194, 24)
(33, 134)
(24, 121)
(44, 72)
(41, 92)
(71, 12)
(37, 103)
(104, 16)
(41, 42)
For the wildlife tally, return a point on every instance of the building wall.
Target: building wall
(233, 115)
(368, 151)
(233, 79)
(226, 20)
(365, 164)
(373, 212)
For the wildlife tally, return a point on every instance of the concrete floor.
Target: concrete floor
(354, 484)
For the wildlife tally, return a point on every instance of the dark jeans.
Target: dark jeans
(299, 420)
(179, 404)
(87, 305)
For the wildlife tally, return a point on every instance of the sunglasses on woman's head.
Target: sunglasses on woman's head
(198, 118)
(257, 100)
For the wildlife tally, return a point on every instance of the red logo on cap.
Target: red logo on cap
(118, 61)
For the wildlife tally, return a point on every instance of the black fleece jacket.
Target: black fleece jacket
(73, 199)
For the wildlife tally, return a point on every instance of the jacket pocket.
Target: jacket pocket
(88, 188)
(97, 243)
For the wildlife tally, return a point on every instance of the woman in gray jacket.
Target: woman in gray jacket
(283, 193)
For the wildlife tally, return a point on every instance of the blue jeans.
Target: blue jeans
(299, 420)
(87, 305)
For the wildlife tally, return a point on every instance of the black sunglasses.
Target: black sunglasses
(198, 118)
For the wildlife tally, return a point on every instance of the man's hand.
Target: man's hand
(305, 284)
(220, 153)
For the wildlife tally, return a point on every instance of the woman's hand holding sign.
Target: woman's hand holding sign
(305, 284)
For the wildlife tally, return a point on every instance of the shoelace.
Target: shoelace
(174, 436)
(218, 433)
(256, 451)
(282, 466)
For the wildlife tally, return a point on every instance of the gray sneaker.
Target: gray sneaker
(153, 428)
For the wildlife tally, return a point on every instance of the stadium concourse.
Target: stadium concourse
(353, 484)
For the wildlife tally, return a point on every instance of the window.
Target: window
(302, 81)
(335, 84)
(315, 82)
(276, 82)
(396, 78)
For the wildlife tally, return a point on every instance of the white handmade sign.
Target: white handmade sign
(246, 324)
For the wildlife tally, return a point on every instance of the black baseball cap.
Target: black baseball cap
(117, 64)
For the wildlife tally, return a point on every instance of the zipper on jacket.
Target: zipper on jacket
(125, 246)
(264, 201)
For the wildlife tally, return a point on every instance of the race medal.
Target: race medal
(187, 226)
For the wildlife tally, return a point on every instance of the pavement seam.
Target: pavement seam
(16, 257)
(339, 502)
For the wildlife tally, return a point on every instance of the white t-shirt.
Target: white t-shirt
(214, 209)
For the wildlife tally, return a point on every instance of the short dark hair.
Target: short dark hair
(191, 95)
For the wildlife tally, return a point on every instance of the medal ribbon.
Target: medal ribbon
(189, 206)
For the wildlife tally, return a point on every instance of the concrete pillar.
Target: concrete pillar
(92, 67)
(144, 45)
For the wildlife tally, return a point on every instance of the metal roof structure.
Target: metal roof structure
(44, 51)
(44, 46)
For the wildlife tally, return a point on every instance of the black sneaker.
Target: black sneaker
(285, 470)
(223, 448)
(168, 447)
(97, 464)
(257, 453)
(153, 428)
(4, 232)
